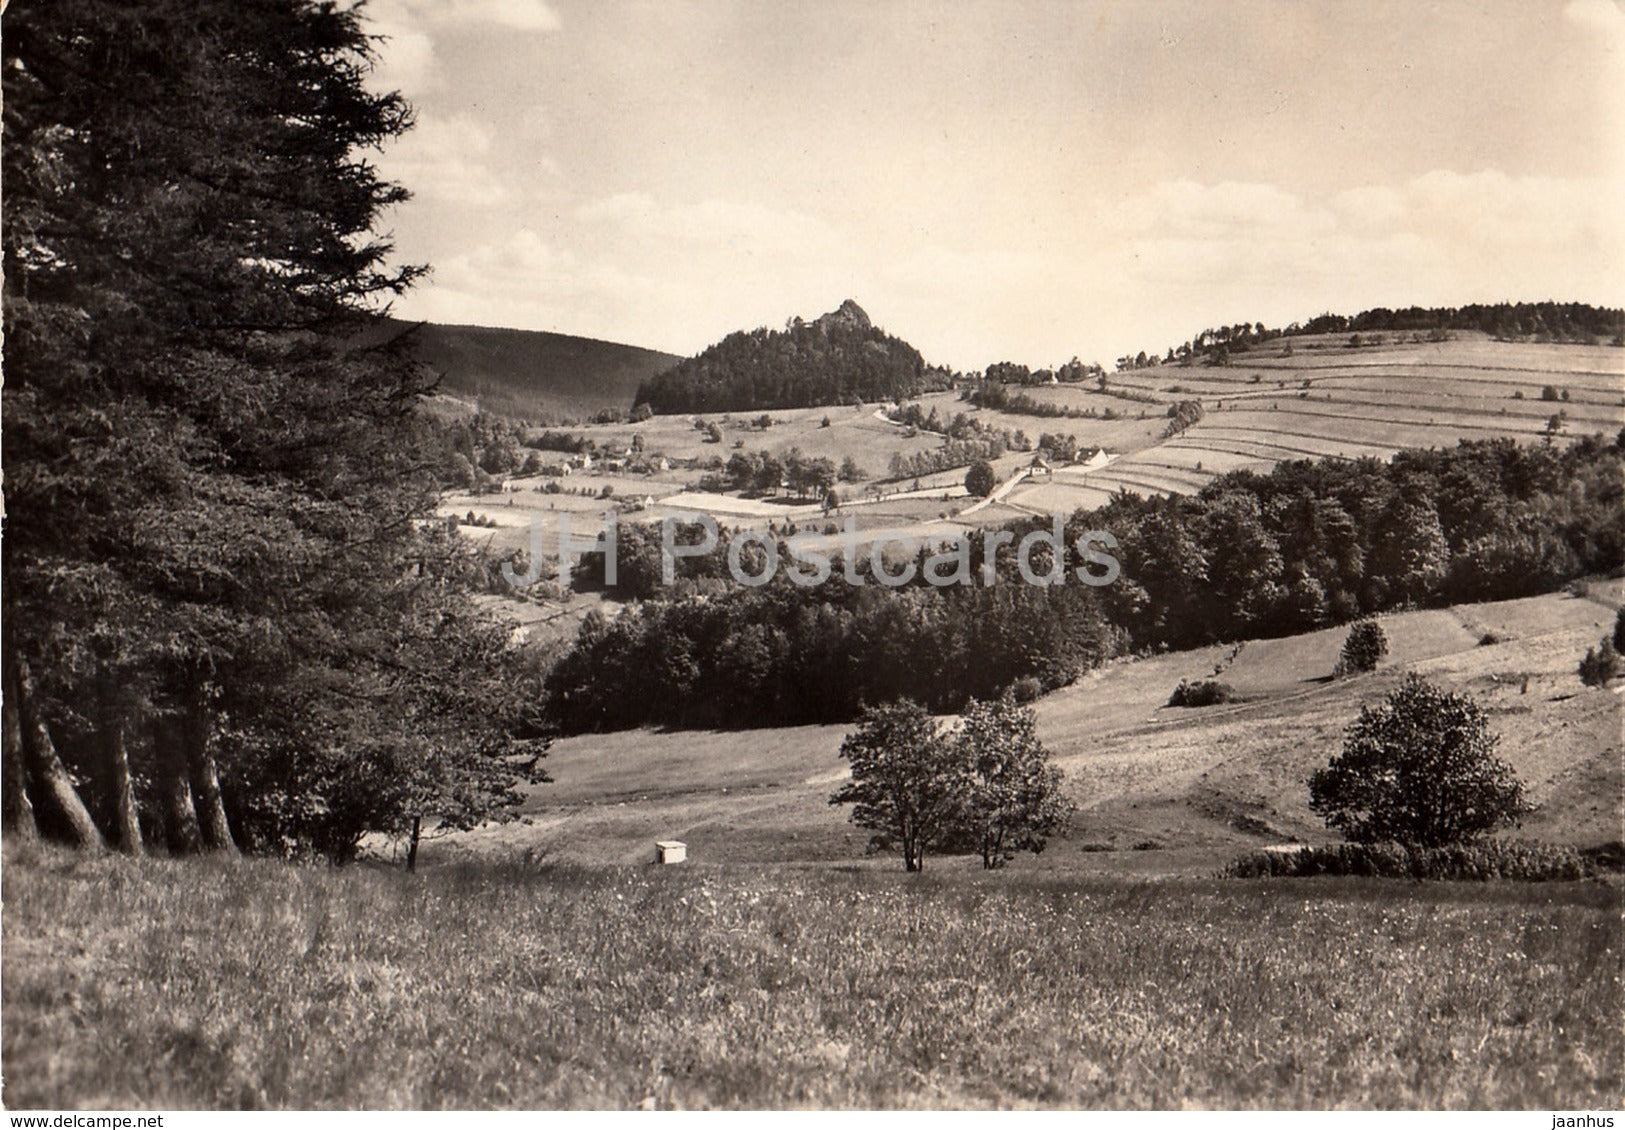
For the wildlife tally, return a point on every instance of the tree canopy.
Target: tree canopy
(831, 360)
(217, 500)
(1419, 769)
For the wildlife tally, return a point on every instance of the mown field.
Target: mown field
(140, 984)
(1311, 397)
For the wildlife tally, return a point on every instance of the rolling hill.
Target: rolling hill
(1160, 789)
(531, 374)
(835, 359)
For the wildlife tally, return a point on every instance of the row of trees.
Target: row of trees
(786, 655)
(1542, 321)
(765, 472)
(229, 620)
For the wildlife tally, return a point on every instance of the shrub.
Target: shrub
(1027, 688)
(981, 479)
(1548, 392)
(1479, 862)
(1366, 644)
(1488, 639)
(1205, 692)
(1600, 665)
(1418, 769)
(1619, 630)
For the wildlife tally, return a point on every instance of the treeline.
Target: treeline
(999, 398)
(785, 655)
(1073, 372)
(1508, 321)
(1317, 543)
(1543, 321)
(765, 472)
(836, 359)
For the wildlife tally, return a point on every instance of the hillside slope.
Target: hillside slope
(531, 374)
(1160, 789)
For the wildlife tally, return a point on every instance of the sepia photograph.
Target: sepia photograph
(817, 555)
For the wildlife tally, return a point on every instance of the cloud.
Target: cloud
(1226, 251)
(1597, 15)
(514, 15)
(677, 275)
(1229, 209)
(445, 160)
(406, 58)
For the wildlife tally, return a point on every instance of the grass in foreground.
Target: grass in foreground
(213, 984)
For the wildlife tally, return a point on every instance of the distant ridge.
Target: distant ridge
(531, 374)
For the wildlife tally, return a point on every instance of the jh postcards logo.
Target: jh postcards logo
(894, 560)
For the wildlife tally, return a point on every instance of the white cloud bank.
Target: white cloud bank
(1144, 274)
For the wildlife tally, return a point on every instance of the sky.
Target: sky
(1023, 180)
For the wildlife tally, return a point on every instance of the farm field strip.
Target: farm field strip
(1528, 412)
(1308, 445)
(1428, 431)
(1245, 446)
(1147, 463)
(1533, 412)
(1463, 377)
(1059, 498)
(1141, 484)
(1210, 460)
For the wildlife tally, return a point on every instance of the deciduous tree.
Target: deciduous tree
(1419, 769)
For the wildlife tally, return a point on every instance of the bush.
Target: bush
(1027, 688)
(1419, 769)
(1619, 630)
(1366, 644)
(981, 479)
(1205, 692)
(1600, 665)
(1489, 639)
(1488, 859)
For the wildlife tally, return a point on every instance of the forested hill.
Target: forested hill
(531, 374)
(836, 359)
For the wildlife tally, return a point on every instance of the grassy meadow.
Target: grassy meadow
(209, 983)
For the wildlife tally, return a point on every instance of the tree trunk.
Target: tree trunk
(412, 845)
(16, 810)
(50, 776)
(175, 790)
(126, 820)
(205, 778)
